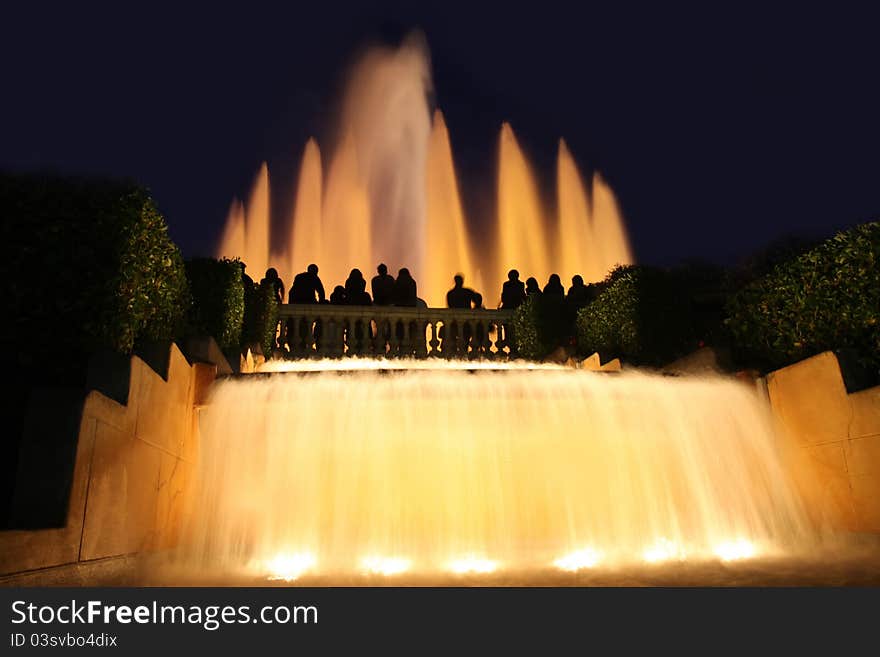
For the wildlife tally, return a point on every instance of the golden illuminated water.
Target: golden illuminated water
(456, 471)
(390, 193)
(451, 250)
(522, 226)
(579, 252)
(246, 234)
(346, 227)
(307, 241)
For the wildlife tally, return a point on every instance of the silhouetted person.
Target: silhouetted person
(271, 278)
(307, 286)
(246, 280)
(513, 292)
(338, 296)
(532, 288)
(460, 296)
(554, 288)
(382, 286)
(578, 294)
(405, 293)
(356, 289)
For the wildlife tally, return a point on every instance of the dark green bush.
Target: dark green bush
(89, 265)
(260, 318)
(538, 327)
(217, 300)
(825, 298)
(645, 316)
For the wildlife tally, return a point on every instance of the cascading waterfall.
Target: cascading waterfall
(445, 470)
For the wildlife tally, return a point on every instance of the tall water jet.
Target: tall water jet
(446, 228)
(386, 108)
(608, 226)
(515, 470)
(346, 232)
(232, 241)
(307, 241)
(391, 195)
(578, 252)
(522, 228)
(256, 240)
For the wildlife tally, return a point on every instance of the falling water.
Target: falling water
(449, 471)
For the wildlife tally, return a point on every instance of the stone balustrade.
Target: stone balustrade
(323, 330)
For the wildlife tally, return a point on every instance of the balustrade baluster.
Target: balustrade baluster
(306, 332)
(434, 343)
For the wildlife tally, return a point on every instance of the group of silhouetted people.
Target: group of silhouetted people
(307, 288)
(387, 290)
(514, 293)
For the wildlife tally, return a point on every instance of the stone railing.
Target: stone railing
(323, 330)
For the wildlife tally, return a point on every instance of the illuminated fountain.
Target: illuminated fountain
(412, 469)
(446, 471)
(390, 193)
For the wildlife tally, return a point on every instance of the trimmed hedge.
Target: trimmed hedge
(89, 265)
(645, 316)
(260, 318)
(538, 327)
(217, 300)
(825, 298)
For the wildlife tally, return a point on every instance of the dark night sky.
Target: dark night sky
(718, 131)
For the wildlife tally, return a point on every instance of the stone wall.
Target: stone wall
(132, 471)
(832, 439)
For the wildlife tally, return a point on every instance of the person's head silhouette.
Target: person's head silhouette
(513, 275)
(356, 274)
(532, 283)
(554, 280)
(271, 273)
(403, 273)
(459, 280)
(382, 269)
(478, 300)
(577, 280)
(313, 270)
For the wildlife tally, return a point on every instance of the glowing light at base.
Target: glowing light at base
(289, 567)
(385, 565)
(735, 550)
(585, 558)
(664, 550)
(467, 471)
(472, 564)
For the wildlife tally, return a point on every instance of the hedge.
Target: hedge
(260, 318)
(827, 298)
(645, 316)
(538, 326)
(217, 300)
(89, 265)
